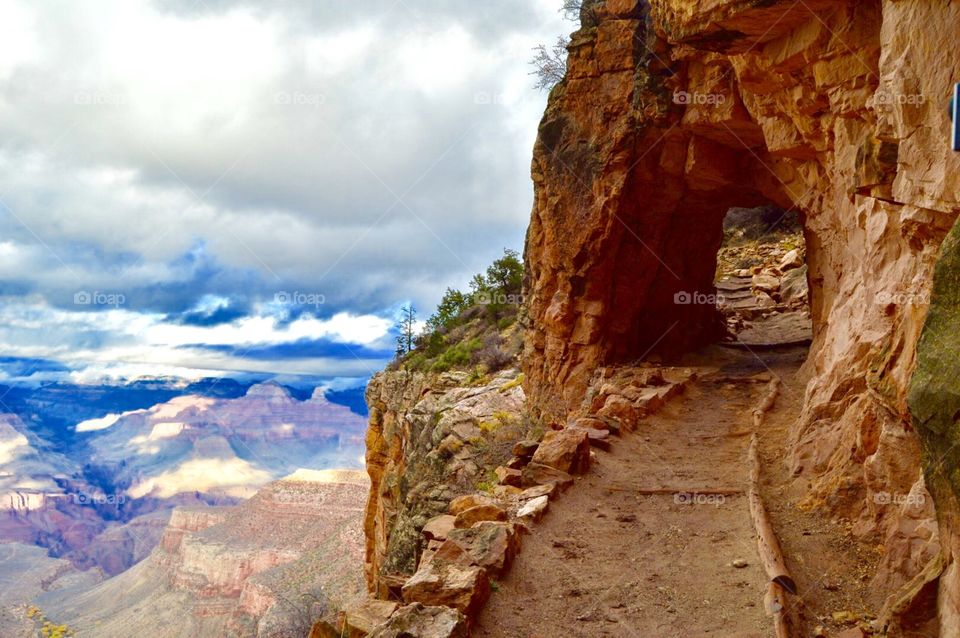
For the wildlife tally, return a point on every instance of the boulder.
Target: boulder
(507, 491)
(438, 527)
(650, 400)
(427, 554)
(766, 283)
(423, 622)
(590, 423)
(567, 450)
(606, 391)
(791, 260)
(508, 476)
(547, 489)
(517, 463)
(468, 517)
(621, 409)
(440, 582)
(764, 301)
(538, 474)
(647, 377)
(490, 545)
(363, 619)
(462, 503)
(794, 285)
(612, 424)
(525, 449)
(598, 438)
(534, 509)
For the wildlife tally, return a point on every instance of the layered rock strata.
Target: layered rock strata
(272, 566)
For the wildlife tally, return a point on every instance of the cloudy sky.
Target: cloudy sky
(194, 187)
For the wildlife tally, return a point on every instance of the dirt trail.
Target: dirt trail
(607, 561)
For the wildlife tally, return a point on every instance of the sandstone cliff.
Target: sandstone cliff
(674, 111)
(431, 438)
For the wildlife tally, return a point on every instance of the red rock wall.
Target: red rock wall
(665, 120)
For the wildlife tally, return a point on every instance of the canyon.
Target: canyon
(270, 566)
(82, 506)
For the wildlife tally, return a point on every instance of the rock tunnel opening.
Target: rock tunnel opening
(725, 261)
(761, 278)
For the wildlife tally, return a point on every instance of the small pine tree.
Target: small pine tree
(407, 327)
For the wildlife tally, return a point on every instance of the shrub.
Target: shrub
(457, 355)
(491, 355)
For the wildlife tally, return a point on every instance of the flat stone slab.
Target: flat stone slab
(730, 284)
(782, 329)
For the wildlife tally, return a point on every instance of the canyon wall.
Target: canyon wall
(673, 111)
(432, 437)
(274, 565)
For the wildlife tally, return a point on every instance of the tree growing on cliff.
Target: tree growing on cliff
(407, 327)
(571, 9)
(501, 286)
(506, 274)
(451, 305)
(550, 63)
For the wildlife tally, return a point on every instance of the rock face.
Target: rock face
(673, 112)
(239, 571)
(431, 438)
(935, 404)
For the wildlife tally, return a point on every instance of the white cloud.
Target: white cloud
(210, 154)
(119, 344)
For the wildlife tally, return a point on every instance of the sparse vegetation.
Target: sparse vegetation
(571, 9)
(550, 63)
(475, 329)
(46, 628)
(506, 387)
